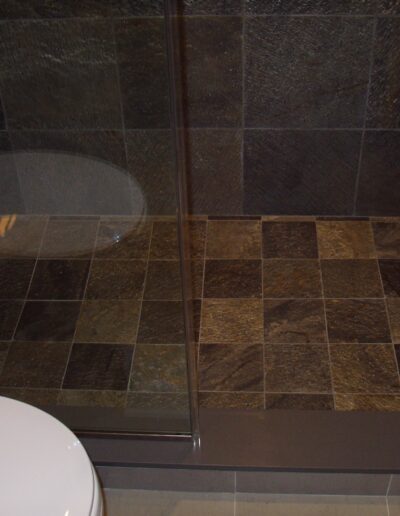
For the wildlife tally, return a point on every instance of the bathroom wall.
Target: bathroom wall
(293, 106)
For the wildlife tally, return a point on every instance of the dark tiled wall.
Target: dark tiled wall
(292, 105)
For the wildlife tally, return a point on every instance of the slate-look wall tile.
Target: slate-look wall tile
(10, 192)
(322, 7)
(306, 72)
(300, 172)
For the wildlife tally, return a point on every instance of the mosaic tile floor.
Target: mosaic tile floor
(290, 312)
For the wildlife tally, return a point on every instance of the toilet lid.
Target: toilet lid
(44, 469)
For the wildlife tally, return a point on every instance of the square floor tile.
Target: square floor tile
(297, 368)
(81, 398)
(357, 320)
(170, 401)
(164, 241)
(387, 239)
(368, 402)
(113, 322)
(299, 401)
(393, 306)
(163, 280)
(159, 369)
(21, 236)
(116, 279)
(123, 239)
(51, 321)
(9, 316)
(197, 238)
(59, 279)
(291, 278)
(32, 395)
(364, 368)
(197, 273)
(390, 273)
(98, 366)
(161, 322)
(351, 278)
(231, 367)
(15, 276)
(232, 321)
(69, 237)
(289, 240)
(234, 239)
(3, 353)
(292, 321)
(345, 239)
(232, 278)
(31, 364)
(238, 400)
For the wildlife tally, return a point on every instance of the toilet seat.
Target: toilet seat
(44, 469)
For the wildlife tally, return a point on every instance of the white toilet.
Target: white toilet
(44, 469)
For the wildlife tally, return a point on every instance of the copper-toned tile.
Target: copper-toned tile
(393, 306)
(161, 322)
(387, 239)
(294, 239)
(159, 369)
(197, 239)
(368, 402)
(123, 238)
(232, 320)
(232, 278)
(196, 312)
(369, 368)
(294, 320)
(291, 278)
(163, 280)
(357, 320)
(231, 400)
(299, 401)
(164, 241)
(106, 321)
(390, 273)
(116, 279)
(297, 368)
(69, 237)
(80, 398)
(197, 272)
(345, 239)
(351, 278)
(234, 239)
(231, 367)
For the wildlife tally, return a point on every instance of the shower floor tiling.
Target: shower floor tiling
(299, 313)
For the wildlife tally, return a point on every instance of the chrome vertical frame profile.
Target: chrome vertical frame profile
(176, 90)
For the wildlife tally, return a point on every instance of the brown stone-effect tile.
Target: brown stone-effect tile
(4, 346)
(196, 312)
(367, 402)
(357, 320)
(197, 273)
(231, 367)
(164, 241)
(159, 369)
(291, 278)
(98, 367)
(23, 237)
(232, 278)
(85, 398)
(387, 239)
(393, 306)
(123, 239)
(226, 321)
(230, 239)
(163, 280)
(390, 273)
(112, 322)
(33, 396)
(69, 237)
(35, 365)
(351, 278)
(15, 276)
(289, 240)
(9, 316)
(345, 239)
(161, 322)
(233, 400)
(116, 279)
(301, 368)
(160, 401)
(197, 238)
(59, 279)
(294, 321)
(369, 368)
(299, 401)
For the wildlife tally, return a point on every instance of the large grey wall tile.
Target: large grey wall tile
(212, 69)
(14, 9)
(215, 174)
(322, 6)
(200, 7)
(378, 192)
(151, 165)
(10, 192)
(143, 72)
(59, 75)
(384, 98)
(306, 72)
(300, 172)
